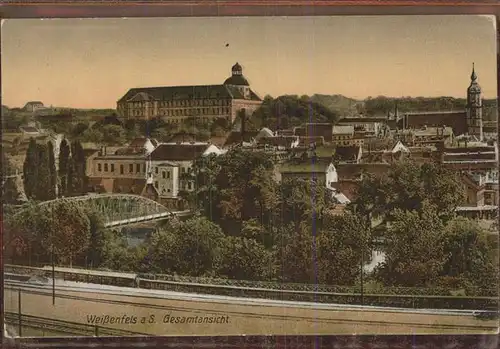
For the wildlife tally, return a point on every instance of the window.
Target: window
(163, 174)
(130, 168)
(168, 175)
(168, 190)
(112, 167)
(156, 184)
(121, 169)
(105, 167)
(137, 168)
(156, 170)
(190, 185)
(99, 167)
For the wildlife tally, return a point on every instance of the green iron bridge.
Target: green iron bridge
(121, 209)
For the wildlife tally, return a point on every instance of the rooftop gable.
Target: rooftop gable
(178, 152)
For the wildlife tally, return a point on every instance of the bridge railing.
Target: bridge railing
(387, 300)
(392, 297)
(276, 285)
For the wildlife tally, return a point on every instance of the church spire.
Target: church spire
(473, 76)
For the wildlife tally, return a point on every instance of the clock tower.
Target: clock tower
(474, 108)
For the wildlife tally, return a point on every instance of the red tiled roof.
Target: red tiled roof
(235, 137)
(130, 151)
(469, 149)
(454, 119)
(178, 152)
(305, 141)
(353, 171)
(283, 141)
(182, 137)
(347, 187)
(347, 153)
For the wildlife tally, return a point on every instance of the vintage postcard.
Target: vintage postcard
(250, 176)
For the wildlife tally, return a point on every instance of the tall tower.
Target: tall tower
(474, 108)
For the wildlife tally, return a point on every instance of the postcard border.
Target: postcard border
(108, 8)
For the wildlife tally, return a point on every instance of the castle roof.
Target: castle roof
(166, 93)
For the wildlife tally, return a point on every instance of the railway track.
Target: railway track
(63, 327)
(336, 315)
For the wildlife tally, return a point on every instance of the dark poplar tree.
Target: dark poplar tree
(43, 180)
(64, 166)
(52, 189)
(10, 192)
(77, 169)
(30, 170)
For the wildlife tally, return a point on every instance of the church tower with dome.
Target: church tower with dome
(474, 108)
(238, 80)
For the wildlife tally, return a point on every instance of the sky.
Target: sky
(91, 63)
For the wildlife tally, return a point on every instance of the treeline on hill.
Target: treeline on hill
(289, 111)
(112, 131)
(251, 227)
(42, 181)
(381, 105)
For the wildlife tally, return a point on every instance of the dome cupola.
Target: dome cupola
(236, 77)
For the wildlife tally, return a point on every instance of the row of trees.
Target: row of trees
(415, 202)
(288, 111)
(111, 131)
(39, 233)
(382, 105)
(42, 181)
(199, 247)
(426, 244)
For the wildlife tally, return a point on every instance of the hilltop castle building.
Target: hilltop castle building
(177, 103)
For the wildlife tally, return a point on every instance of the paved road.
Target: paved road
(229, 316)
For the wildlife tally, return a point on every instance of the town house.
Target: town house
(171, 165)
(120, 170)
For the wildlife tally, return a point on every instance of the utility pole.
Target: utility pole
(362, 264)
(20, 331)
(53, 277)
